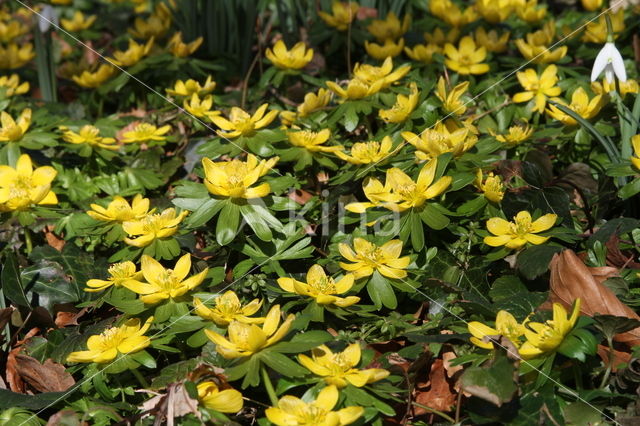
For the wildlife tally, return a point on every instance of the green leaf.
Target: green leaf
(494, 383)
(282, 364)
(39, 401)
(534, 261)
(228, 222)
(174, 373)
(610, 325)
(630, 189)
(433, 218)
(12, 282)
(144, 358)
(381, 292)
(253, 219)
(508, 293)
(417, 231)
(302, 342)
(204, 212)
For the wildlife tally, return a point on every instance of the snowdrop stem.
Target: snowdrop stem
(609, 28)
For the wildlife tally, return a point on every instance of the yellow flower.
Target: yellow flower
(467, 58)
(544, 36)
(119, 274)
(400, 192)
(540, 54)
(591, 5)
(13, 56)
(126, 339)
(368, 152)
(78, 23)
(492, 186)
(522, 230)
(133, 55)
(439, 139)
(248, 339)
(506, 325)
(537, 87)
(389, 28)
(635, 159)
(11, 30)
(389, 49)
(119, 210)
(180, 49)
(356, 89)
(368, 257)
(90, 135)
(200, 107)
(547, 337)
(321, 288)
(161, 284)
(155, 25)
(629, 86)
(529, 11)
(314, 102)
(490, 40)
(312, 141)
(224, 401)
(152, 227)
(494, 11)
(234, 178)
(292, 411)
(596, 31)
(240, 123)
(13, 131)
(190, 87)
(338, 369)
(515, 135)
(296, 58)
(12, 86)
(403, 107)
(145, 132)
(423, 52)
(580, 104)
(450, 13)
(439, 38)
(451, 102)
(228, 308)
(23, 186)
(384, 74)
(96, 78)
(342, 14)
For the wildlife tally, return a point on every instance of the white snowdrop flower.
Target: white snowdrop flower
(610, 61)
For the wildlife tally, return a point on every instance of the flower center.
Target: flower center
(522, 226)
(325, 285)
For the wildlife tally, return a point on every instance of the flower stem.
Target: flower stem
(27, 240)
(269, 386)
(607, 372)
(143, 382)
(434, 411)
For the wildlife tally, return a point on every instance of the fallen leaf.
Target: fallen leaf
(64, 319)
(11, 372)
(175, 403)
(47, 377)
(52, 239)
(616, 258)
(65, 417)
(571, 279)
(300, 196)
(619, 357)
(439, 396)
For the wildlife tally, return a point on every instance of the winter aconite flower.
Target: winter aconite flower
(189, 87)
(506, 325)
(368, 152)
(389, 28)
(180, 49)
(23, 187)
(13, 131)
(145, 132)
(152, 227)
(342, 14)
(15, 56)
(89, 135)
(635, 159)
(538, 87)
(596, 31)
(467, 58)
(515, 135)
(491, 41)
(368, 257)
(529, 11)
(439, 38)
(389, 49)
(228, 308)
(12, 86)
(491, 187)
(521, 231)
(322, 288)
(624, 87)
(355, 89)
(119, 274)
(224, 401)
(241, 123)
(78, 23)
(235, 178)
(156, 25)
(134, 53)
(161, 283)
(547, 337)
(591, 5)
(580, 104)
(423, 52)
(293, 411)
(450, 13)
(126, 339)
(248, 339)
(339, 369)
(312, 141)
(296, 58)
(200, 107)
(119, 210)
(439, 139)
(385, 74)
(96, 78)
(403, 107)
(400, 192)
(451, 102)
(494, 11)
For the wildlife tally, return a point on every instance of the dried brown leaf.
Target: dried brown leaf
(439, 396)
(47, 377)
(175, 403)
